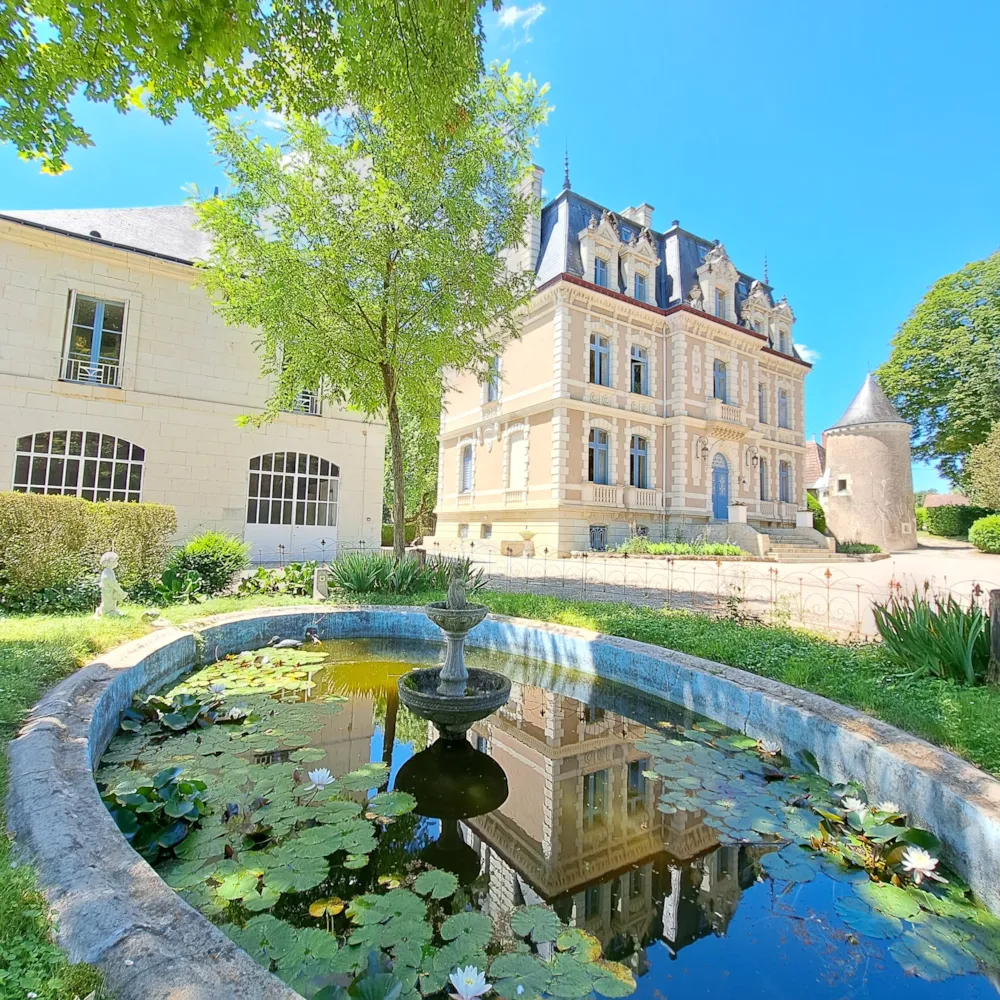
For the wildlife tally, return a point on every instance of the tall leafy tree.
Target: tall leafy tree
(983, 471)
(944, 368)
(374, 259)
(303, 56)
(418, 432)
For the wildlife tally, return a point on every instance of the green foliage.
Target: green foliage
(638, 545)
(178, 712)
(953, 520)
(313, 284)
(857, 548)
(982, 470)
(177, 587)
(215, 556)
(83, 594)
(411, 529)
(934, 637)
(418, 433)
(295, 579)
(157, 816)
(944, 368)
(375, 572)
(222, 54)
(985, 534)
(920, 515)
(819, 515)
(53, 543)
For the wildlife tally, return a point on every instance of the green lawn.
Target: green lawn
(36, 651)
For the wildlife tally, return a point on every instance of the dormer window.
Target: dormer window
(601, 272)
(783, 341)
(640, 287)
(720, 303)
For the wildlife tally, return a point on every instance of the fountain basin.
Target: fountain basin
(484, 692)
(455, 621)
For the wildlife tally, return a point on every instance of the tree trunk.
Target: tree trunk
(395, 464)
(993, 671)
(389, 733)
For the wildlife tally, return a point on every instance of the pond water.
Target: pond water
(670, 840)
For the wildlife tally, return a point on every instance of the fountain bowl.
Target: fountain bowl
(484, 692)
(455, 621)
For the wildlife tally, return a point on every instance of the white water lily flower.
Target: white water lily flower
(217, 688)
(767, 746)
(469, 983)
(851, 804)
(887, 807)
(320, 778)
(920, 865)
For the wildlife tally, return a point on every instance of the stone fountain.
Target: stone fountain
(452, 696)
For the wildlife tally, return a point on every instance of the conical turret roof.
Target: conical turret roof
(869, 406)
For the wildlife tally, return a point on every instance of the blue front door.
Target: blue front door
(720, 488)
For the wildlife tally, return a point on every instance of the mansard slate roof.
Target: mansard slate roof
(680, 252)
(163, 231)
(869, 406)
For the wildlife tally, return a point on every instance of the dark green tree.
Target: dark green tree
(944, 369)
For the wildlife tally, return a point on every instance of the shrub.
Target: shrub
(920, 514)
(819, 515)
(295, 579)
(934, 637)
(857, 548)
(409, 533)
(215, 556)
(53, 542)
(985, 534)
(952, 520)
(640, 546)
(376, 572)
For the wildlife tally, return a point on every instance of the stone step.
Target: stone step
(819, 558)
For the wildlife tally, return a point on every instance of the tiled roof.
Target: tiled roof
(869, 406)
(946, 500)
(164, 230)
(815, 463)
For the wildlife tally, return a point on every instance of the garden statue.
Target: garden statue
(111, 591)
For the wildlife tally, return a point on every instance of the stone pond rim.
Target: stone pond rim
(112, 909)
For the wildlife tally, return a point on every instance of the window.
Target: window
(79, 464)
(783, 408)
(465, 470)
(493, 381)
(637, 786)
(486, 531)
(94, 344)
(841, 485)
(598, 537)
(783, 341)
(720, 303)
(591, 902)
(597, 457)
(482, 744)
(762, 402)
(293, 488)
(763, 480)
(307, 402)
(595, 798)
(463, 531)
(635, 883)
(600, 360)
(640, 287)
(601, 272)
(637, 462)
(784, 482)
(639, 372)
(592, 714)
(719, 379)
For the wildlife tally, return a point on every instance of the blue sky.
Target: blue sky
(855, 143)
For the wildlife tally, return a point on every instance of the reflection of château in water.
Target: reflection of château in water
(581, 831)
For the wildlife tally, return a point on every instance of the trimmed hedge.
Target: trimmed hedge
(409, 533)
(819, 515)
(215, 556)
(953, 520)
(985, 534)
(53, 541)
(920, 515)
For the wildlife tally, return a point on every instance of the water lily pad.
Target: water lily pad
(288, 872)
(519, 975)
(239, 884)
(582, 946)
(389, 805)
(570, 979)
(537, 922)
(474, 929)
(264, 939)
(257, 902)
(612, 979)
(933, 960)
(436, 883)
(789, 865)
(860, 917)
(889, 900)
(363, 778)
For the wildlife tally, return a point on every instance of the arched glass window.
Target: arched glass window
(639, 382)
(600, 360)
(465, 484)
(293, 488)
(719, 371)
(784, 482)
(597, 456)
(637, 462)
(79, 464)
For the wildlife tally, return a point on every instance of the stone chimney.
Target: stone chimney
(641, 216)
(527, 256)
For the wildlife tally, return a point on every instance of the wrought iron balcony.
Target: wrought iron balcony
(81, 368)
(306, 402)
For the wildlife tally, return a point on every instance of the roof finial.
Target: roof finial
(565, 186)
(765, 268)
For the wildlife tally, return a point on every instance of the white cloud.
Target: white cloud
(514, 17)
(807, 354)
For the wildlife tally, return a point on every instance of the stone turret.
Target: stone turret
(867, 487)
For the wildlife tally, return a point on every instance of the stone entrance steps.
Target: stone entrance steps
(789, 545)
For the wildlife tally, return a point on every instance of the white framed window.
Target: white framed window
(719, 385)
(600, 360)
(597, 456)
(762, 402)
(463, 531)
(595, 798)
(783, 341)
(720, 303)
(638, 462)
(293, 488)
(785, 482)
(306, 402)
(783, 415)
(601, 272)
(640, 287)
(636, 788)
(94, 339)
(763, 479)
(639, 372)
(598, 537)
(465, 469)
(493, 380)
(486, 531)
(83, 464)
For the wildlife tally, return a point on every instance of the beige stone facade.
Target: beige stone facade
(152, 412)
(571, 451)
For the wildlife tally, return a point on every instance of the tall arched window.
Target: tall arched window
(597, 456)
(763, 479)
(465, 476)
(84, 464)
(293, 488)
(600, 360)
(637, 462)
(719, 371)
